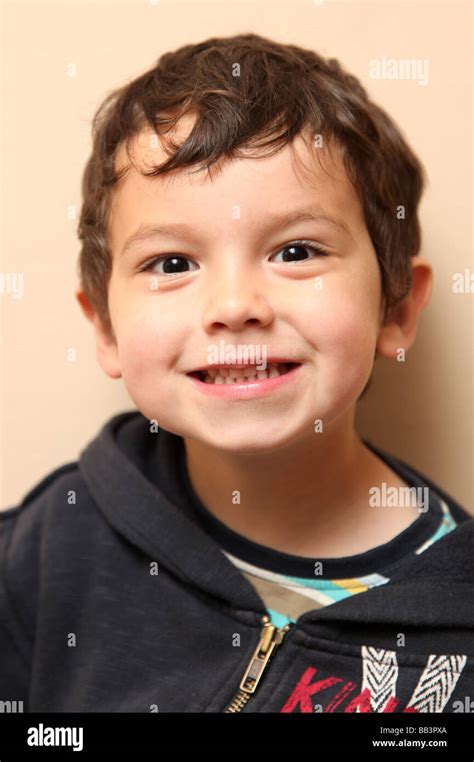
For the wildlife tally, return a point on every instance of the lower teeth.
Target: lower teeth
(221, 380)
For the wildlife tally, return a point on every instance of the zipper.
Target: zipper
(270, 638)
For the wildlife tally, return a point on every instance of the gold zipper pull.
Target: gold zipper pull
(271, 637)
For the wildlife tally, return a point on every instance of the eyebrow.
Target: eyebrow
(275, 221)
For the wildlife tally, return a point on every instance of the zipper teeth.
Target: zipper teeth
(238, 702)
(270, 638)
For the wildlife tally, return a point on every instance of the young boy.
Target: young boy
(250, 243)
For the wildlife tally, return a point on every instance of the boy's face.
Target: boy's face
(235, 285)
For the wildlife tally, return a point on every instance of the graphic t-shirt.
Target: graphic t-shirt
(292, 585)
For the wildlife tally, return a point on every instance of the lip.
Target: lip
(249, 389)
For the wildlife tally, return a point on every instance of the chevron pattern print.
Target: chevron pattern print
(437, 682)
(379, 676)
(378, 689)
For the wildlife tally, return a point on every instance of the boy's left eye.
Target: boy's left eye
(298, 247)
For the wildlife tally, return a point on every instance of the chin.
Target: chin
(241, 440)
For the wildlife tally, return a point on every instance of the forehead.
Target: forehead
(297, 175)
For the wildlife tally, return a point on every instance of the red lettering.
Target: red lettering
(304, 690)
(339, 697)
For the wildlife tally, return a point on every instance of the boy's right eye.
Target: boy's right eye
(173, 264)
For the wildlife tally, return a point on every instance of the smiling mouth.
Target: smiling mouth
(242, 375)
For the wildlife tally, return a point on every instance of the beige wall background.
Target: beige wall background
(420, 410)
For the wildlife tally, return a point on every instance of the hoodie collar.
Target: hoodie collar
(133, 476)
(113, 467)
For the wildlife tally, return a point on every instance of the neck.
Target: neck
(309, 495)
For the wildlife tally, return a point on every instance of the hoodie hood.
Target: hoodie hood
(134, 477)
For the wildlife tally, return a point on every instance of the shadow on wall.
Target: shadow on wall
(407, 412)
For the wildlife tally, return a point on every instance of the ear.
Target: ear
(399, 330)
(106, 344)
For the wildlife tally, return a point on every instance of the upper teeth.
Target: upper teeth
(227, 375)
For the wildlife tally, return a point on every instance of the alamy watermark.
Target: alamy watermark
(417, 69)
(399, 497)
(463, 283)
(11, 707)
(51, 736)
(12, 283)
(237, 354)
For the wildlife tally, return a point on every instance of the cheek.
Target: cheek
(341, 323)
(148, 344)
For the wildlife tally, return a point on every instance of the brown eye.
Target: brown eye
(169, 264)
(298, 250)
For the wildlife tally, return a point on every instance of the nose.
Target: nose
(235, 300)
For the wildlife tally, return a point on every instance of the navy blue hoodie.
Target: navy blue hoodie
(113, 597)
